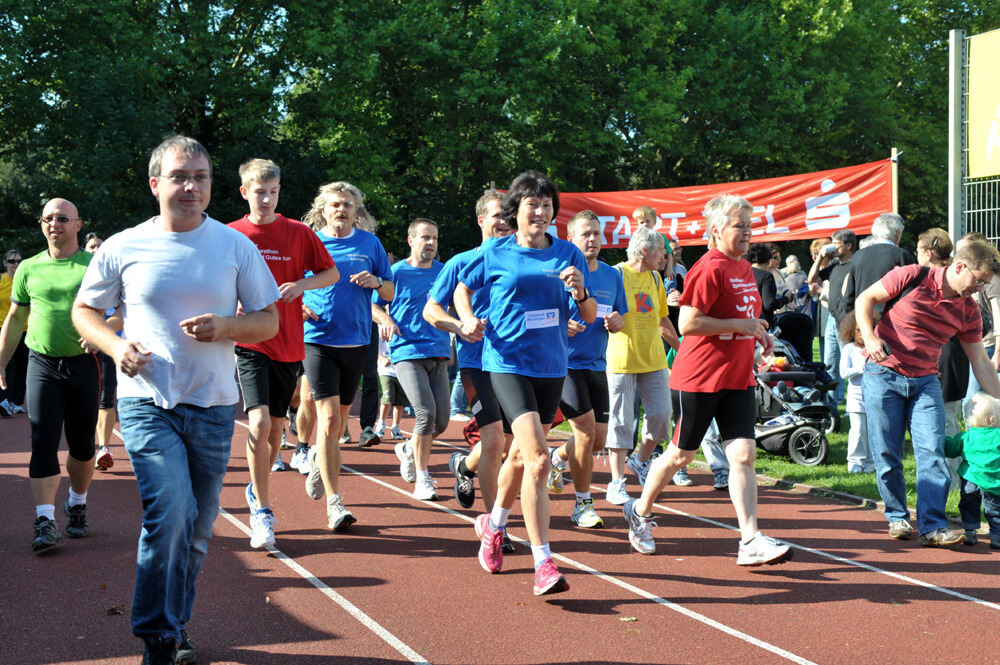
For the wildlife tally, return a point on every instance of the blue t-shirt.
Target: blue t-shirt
(345, 309)
(416, 338)
(528, 305)
(470, 355)
(587, 349)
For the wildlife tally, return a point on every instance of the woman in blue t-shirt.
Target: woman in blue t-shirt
(531, 276)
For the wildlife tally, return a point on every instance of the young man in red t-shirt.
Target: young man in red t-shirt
(267, 371)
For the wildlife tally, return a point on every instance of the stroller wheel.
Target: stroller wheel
(808, 446)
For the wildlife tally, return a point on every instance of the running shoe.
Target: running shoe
(262, 528)
(46, 534)
(508, 545)
(617, 494)
(721, 481)
(548, 579)
(425, 489)
(556, 472)
(971, 538)
(380, 429)
(369, 438)
(251, 497)
(900, 530)
(279, 464)
(160, 652)
(461, 417)
(681, 478)
(640, 469)
(4, 411)
(397, 433)
(314, 481)
(300, 461)
(465, 489)
(407, 467)
(339, 517)
(292, 415)
(761, 551)
(285, 443)
(346, 438)
(490, 545)
(103, 460)
(585, 516)
(936, 538)
(76, 519)
(640, 530)
(16, 409)
(186, 654)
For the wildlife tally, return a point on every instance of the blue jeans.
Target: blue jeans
(179, 456)
(459, 403)
(899, 402)
(969, 506)
(831, 357)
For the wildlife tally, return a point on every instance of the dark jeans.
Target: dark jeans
(968, 506)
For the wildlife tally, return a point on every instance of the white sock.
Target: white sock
(77, 499)
(46, 510)
(423, 473)
(540, 553)
(582, 496)
(498, 518)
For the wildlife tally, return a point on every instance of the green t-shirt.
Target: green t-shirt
(48, 286)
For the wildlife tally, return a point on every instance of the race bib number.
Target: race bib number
(541, 318)
(603, 311)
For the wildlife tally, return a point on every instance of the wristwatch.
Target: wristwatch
(380, 281)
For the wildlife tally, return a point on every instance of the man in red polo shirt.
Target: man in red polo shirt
(930, 306)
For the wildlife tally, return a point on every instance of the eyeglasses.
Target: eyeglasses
(182, 179)
(12, 262)
(52, 219)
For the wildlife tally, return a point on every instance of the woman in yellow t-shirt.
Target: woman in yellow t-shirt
(12, 398)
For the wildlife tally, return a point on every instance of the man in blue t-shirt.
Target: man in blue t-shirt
(486, 456)
(419, 351)
(585, 401)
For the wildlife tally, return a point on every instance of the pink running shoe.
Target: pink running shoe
(548, 579)
(491, 544)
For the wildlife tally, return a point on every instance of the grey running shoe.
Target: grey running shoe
(339, 517)
(640, 469)
(682, 479)
(46, 535)
(640, 530)
(76, 519)
(900, 530)
(937, 538)
(314, 481)
(368, 438)
(407, 467)
(721, 480)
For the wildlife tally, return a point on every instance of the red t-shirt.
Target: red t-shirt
(920, 323)
(290, 249)
(722, 288)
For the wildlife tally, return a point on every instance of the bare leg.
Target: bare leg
(660, 472)
(741, 454)
(259, 453)
(329, 427)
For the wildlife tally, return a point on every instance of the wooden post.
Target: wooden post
(894, 158)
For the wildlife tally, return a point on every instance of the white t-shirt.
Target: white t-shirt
(161, 278)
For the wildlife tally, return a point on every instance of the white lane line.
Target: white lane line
(402, 648)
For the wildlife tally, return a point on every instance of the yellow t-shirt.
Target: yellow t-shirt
(5, 285)
(638, 347)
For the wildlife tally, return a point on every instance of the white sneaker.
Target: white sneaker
(556, 472)
(338, 517)
(279, 464)
(396, 432)
(300, 461)
(262, 528)
(617, 494)
(103, 460)
(682, 479)
(380, 429)
(425, 490)
(762, 550)
(407, 467)
(314, 481)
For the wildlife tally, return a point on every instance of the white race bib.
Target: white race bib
(603, 311)
(541, 318)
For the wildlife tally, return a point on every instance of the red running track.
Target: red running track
(403, 585)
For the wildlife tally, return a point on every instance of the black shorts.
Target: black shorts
(334, 371)
(479, 391)
(61, 395)
(585, 390)
(265, 381)
(735, 412)
(109, 381)
(519, 395)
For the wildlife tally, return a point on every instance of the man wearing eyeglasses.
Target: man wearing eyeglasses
(178, 280)
(924, 308)
(62, 377)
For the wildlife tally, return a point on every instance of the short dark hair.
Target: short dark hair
(759, 252)
(489, 195)
(529, 183)
(847, 237)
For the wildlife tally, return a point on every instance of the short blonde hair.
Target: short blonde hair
(980, 409)
(718, 211)
(644, 212)
(259, 170)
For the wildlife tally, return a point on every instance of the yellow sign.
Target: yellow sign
(984, 105)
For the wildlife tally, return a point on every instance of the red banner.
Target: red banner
(797, 207)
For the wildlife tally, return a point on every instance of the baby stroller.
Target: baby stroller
(793, 411)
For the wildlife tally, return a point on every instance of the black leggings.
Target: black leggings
(61, 391)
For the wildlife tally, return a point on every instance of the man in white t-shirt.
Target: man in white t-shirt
(178, 279)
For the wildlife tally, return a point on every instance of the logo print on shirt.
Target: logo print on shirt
(747, 306)
(643, 303)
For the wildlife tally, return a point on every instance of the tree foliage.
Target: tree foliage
(424, 103)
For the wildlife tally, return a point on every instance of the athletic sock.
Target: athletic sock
(46, 510)
(540, 553)
(301, 446)
(464, 470)
(582, 496)
(77, 499)
(498, 518)
(422, 474)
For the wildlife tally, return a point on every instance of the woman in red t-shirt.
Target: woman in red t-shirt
(721, 324)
